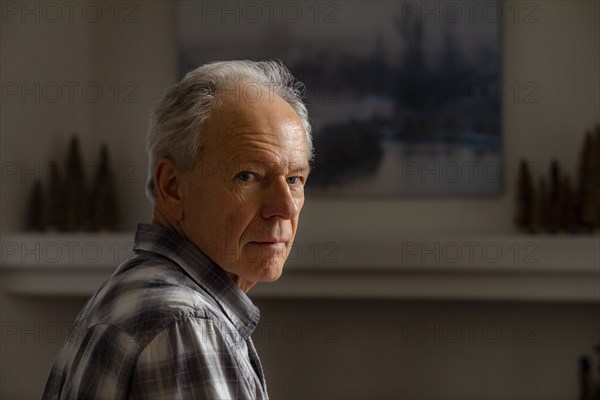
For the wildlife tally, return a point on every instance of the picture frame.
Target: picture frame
(403, 97)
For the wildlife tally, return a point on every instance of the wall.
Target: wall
(117, 70)
(359, 349)
(559, 53)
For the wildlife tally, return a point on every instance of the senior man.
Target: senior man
(229, 150)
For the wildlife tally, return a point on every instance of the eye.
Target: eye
(294, 180)
(246, 176)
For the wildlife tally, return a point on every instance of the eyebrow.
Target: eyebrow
(303, 168)
(293, 167)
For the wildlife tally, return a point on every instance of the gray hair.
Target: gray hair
(175, 126)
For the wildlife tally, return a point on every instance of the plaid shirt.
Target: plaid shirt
(169, 323)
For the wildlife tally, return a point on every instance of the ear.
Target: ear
(169, 186)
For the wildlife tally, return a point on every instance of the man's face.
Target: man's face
(242, 200)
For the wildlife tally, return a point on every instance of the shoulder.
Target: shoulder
(145, 296)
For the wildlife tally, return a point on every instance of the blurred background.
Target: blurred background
(420, 297)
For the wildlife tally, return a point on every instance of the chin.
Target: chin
(269, 273)
(266, 267)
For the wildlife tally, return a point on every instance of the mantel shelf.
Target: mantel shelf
(483, 267)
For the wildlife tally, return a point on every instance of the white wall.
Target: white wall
(559, 54)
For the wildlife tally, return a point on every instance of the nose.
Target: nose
(281, 201)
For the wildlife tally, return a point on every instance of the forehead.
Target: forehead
(265, 128)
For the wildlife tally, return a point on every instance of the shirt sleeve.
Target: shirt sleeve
(191, 359)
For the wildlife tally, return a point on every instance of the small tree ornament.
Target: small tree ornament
(590, 182)
(55, 199)
(74, 195)
(566, 209)
(104, 214)
(553, 200)
(35, 211)
(584, 171)
(523, 216)
(541, 206)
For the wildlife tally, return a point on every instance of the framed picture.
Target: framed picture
(404, 97)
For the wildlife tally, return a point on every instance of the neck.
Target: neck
(241, 283)
(160, 218)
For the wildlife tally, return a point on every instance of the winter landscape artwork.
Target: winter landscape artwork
(404, 97)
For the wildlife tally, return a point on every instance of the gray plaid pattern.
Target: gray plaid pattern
(168, 324)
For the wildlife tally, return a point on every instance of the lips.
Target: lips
(276, 243)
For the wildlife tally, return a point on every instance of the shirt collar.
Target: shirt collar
(205, 272)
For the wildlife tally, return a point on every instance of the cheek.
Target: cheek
(235, 214)
(300, 201)
(300, 205)
(221, 213)
(202, 212)
(243, 216)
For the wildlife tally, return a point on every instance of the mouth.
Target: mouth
(274, 244)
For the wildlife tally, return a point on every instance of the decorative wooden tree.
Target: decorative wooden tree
(584, 171)
(553, 200)
(590, 181)
(74, 188)
(35, 211)
(55, 200)
(541, 206)
(104, 205)
(597, 383)
(523, 215)
(566, 221)
(596, 179)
